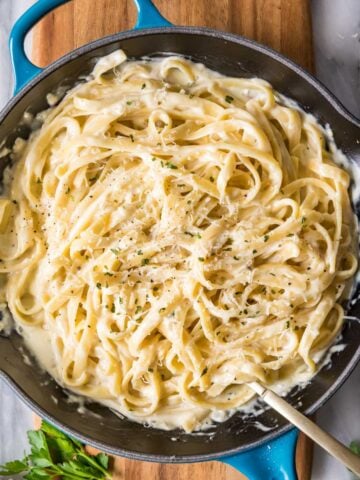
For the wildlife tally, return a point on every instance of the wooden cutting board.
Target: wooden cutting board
(284, 25)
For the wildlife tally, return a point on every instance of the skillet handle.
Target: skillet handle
(273, 461)
(149, 16)
(25, 70)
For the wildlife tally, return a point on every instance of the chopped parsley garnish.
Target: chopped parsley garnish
(171, 166)
(204, 372)
(145, 261)
(129, 102)
(229, 99)
(143, 86)
(266, 238)
(140, 252)
(98, 285)
(201, 259)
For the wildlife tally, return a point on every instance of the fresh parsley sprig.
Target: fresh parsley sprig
(355, 447)
(55, 455)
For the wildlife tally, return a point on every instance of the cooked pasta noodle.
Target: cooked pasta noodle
(173, 234)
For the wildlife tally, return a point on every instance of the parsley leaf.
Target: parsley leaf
(12, 468)
(54, 454)
(355, 447)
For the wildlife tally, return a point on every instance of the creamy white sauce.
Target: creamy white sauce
(6, 320)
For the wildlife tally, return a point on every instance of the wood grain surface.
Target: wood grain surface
(284, 25)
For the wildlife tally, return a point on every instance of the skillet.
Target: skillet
(261, 453)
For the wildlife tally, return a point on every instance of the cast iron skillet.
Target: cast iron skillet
(238, 441)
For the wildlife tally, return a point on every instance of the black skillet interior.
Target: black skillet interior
(230, 55)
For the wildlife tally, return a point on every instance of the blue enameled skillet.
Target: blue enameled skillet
(262, 454)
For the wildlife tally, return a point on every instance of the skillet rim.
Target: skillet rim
(305, 76)
(230, 37)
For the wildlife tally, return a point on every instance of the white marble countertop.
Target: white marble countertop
(336, 26)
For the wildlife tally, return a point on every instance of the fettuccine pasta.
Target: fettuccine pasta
(171, 234)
